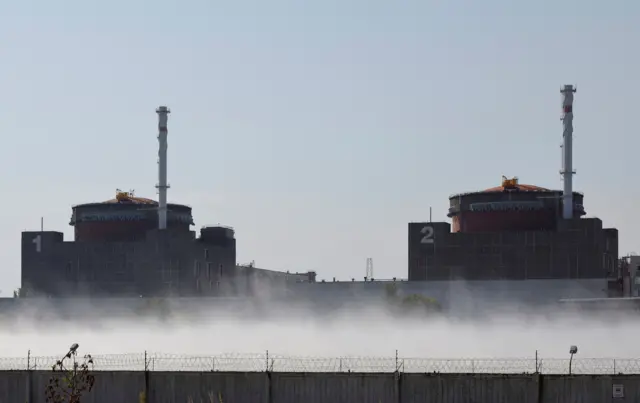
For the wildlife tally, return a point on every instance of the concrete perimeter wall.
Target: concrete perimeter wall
(180, 387)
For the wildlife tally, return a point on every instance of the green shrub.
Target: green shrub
(68, 384)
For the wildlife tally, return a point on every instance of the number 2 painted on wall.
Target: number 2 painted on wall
(38, 241)
(427, 234)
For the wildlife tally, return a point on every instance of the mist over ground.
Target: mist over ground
(301, 330)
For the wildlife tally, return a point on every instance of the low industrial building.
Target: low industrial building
(515, 232)
(119, 251)
(131, 246)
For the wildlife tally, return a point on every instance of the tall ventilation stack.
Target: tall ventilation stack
(567, 149)
(163, 116)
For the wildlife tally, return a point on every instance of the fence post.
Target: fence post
(29, 384)
(267, 361)
(614, 366)
(540, 390)
(146, 379)
(396, 360)
(398, 380)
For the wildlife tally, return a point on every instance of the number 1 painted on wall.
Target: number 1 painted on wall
(38, 241)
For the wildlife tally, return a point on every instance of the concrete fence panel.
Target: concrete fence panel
(14, 386)
(591, 389)
(110, 386)
(334, 388)
(256, 387)
(465, 388)
(218, 387)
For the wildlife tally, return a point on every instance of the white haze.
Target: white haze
(343, 333)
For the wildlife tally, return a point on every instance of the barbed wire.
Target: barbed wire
(266, 362)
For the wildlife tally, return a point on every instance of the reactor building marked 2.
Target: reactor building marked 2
(517, 231)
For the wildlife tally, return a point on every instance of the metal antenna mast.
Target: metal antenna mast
(369, 274)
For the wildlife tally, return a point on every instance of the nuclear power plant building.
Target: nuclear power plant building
(131, 246)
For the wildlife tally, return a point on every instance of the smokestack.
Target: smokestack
(163, 116)
(567, 150)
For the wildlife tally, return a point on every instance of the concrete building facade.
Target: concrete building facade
(578, 249)
(119, 251)
(515, 232)
(164, 263)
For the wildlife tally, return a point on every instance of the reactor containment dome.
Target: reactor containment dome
(510, 207)
(125, 218)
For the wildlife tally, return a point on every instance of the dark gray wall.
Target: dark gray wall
(580, 249)
(165, 263)
(180, 387)
(456, 297)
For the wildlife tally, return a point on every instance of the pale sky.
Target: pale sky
(317, 130)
